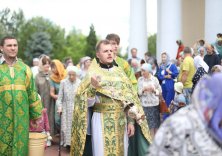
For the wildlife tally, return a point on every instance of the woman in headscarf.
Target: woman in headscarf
(196, 129)
(155, 68)
(149, 90)
(135, 65)
(167, 73)
(65, 101)
(84, 66)
(201, 69)
(43, 88)
(58, 74)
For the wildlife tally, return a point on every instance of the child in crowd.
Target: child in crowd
(42, 126)
(179, 99)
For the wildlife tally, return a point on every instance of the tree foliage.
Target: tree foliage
(11, 22)
(39, 43)
(75, 46)
(40, 24)
(152, 44)
(39, 35)
(91, 43)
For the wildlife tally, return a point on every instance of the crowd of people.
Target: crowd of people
(111, 106)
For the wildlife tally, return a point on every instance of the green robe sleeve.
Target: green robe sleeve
(128, 70)
(35, 105)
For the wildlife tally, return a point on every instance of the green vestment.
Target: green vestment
(128, 70)
(137, 143)
(117, 88)
(19, 103)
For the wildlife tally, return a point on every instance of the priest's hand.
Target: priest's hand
(130, 129)
(95, 81)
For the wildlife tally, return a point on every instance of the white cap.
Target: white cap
(147, 67)
(178, 87)
(35, 60)
(73, 68)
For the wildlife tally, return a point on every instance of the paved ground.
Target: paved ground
(53, 151)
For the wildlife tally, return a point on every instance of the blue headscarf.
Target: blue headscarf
(207, 98)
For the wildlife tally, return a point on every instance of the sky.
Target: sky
(107, 16)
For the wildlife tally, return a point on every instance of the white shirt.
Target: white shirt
(152, 98)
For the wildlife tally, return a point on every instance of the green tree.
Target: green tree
(27, 32)
(40, 24)
(75, 46)
(39, 43)
(152, 44)
(91, 43)
(11, 22)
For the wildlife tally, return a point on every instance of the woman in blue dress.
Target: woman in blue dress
(167, 74)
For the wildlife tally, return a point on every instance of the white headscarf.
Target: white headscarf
(199, 62)
(147, 67)
(35, 59)
(73, 69)
(164, 65)
(83, 60)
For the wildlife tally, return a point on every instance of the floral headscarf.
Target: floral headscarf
(164, 65)
(61, 72)
(207, 98)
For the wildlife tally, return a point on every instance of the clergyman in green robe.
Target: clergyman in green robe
(19, 101)
(137, 144)
(110, 125)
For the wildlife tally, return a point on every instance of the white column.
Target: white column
(138, 33)
(213, 19)
(169, 27)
